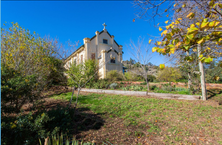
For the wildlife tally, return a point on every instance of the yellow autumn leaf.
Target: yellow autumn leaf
(216, 23)
(164, 32)
(160, 29)
(211, 24)
(178, 44)
(179, 19)
(200, 41)
(172, 50)
(203, 25)
(190, 15)
(198, 23)
(150, 41)
(216, 78)
(162, 66)
(192, 25)
(159, 43)
(154, 49)
(166, 22)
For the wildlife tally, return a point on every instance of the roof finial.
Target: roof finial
(104, 26)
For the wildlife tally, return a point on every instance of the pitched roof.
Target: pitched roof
(91, 40)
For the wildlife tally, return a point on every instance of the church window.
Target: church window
(112, 60)
(105, 41)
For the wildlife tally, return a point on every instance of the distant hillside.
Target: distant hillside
(135, 66)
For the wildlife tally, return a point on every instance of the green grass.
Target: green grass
(173, 119)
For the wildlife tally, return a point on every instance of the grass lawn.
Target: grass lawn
(144, 120)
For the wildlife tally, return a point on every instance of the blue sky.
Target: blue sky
(75, 20)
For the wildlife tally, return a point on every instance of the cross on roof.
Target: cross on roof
(104, 26)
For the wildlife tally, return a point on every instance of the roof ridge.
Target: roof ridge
(92, 39)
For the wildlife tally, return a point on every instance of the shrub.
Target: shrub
(26, 129)
(153, 87)
(114, 75)
(17, 89)
(100, 84)
(131, 76)
(113, 85)
(151, 78)
(169, 74)
(83, 73)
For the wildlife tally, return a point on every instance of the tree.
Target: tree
(143, 55)
(169, 74)
(26, 65)
(81, 74)
(198, 35)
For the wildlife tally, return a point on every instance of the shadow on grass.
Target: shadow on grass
(213, 92)
(68, 121)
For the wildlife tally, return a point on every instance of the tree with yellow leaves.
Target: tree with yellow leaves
(27, 62)
(197, 36)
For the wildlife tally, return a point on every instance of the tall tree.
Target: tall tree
(142, 53)
(201, 35)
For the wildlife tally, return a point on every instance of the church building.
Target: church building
(101, 47)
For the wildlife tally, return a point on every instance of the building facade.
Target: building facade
(101, 47)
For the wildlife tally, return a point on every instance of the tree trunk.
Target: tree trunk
(77, 97)
(202, 76)
(72, 96)
(147, 84)
(189, 80)
(189, 74)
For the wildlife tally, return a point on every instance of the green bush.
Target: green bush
(113, 85)
(131, 76)
(17, 89)
(151, 78)
(153, 87)
(27, 129)
(114, 75)
(83, 73)
(101, 84)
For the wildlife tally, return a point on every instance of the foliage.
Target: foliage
(63, 139)
(80, 74)
(151, 78)
(133, 88)
(26, 61)
(27, 128)
(56, 76)
(101, 84)
(131, 76)
(113, 85)
(203, 30)
(169, 74)
(16, 89)
(153, 87)
(213, 72)
(114, 75)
